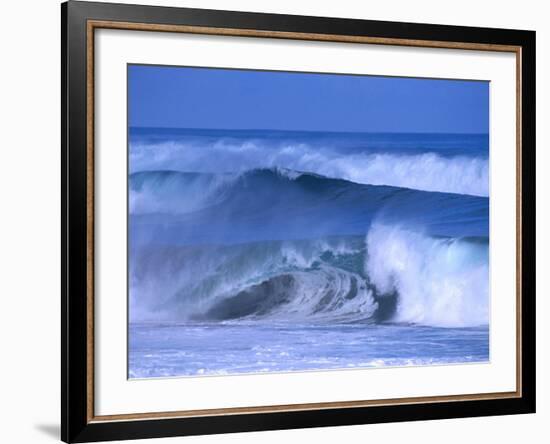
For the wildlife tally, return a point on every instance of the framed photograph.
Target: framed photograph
(275, 221)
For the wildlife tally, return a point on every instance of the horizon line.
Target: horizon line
(302, 130)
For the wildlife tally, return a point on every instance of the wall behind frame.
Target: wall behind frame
(29, 237)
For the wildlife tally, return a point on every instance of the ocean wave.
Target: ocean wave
(323, 294)
(438, 281)
(175, 192)
(172, 207)
(428, 171)
(391, 275)
(284, 280)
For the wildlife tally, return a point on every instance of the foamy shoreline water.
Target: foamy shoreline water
(166, 350)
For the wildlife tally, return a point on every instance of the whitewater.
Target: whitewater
(451, 163)
(330, 251)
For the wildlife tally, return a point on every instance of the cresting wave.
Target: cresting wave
(280, 280)
(204, 248)
(392, 275)
(177, 192)
(441, 282)
(177, 208)
(427, 170)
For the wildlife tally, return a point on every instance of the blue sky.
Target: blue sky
(180, 97)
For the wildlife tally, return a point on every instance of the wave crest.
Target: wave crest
(393, 274)
(282, 280)
(428, 171)
(439, 281)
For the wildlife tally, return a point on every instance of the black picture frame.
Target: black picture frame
(76, 327)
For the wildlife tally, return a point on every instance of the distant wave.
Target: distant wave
(429, 170)
(175, 192)
(173, 207)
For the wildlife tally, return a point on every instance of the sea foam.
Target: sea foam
(439, 281)
(427, 171)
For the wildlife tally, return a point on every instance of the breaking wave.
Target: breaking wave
(280, 280)
(440, 282)
(177, 208)
(283, 246)
(392, 275)
(427, 170)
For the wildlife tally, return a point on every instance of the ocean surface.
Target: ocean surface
(271, 251)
